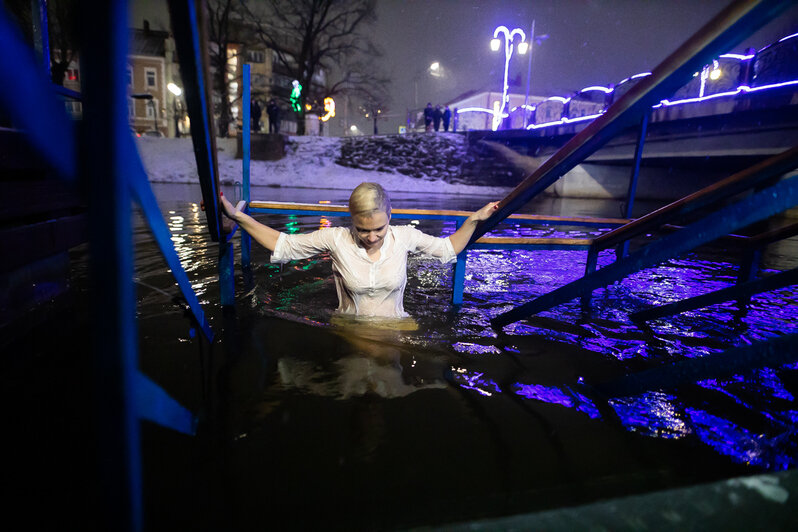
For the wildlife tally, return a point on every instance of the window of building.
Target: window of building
(74, 108)
(72, 74)
(129, 76)
(152, 105)
(289, 59)
(149, 74)
(256, 56)
(260, 80)
(131, 108)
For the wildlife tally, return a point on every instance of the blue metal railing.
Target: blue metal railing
(105, 156)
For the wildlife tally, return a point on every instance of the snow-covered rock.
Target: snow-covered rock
(410, 163)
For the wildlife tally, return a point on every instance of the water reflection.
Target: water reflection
(372, 361)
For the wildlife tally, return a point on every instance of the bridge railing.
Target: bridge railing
(723, 32)
(729, 75)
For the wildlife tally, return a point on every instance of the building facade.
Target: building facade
(151, 70)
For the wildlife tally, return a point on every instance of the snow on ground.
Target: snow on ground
(309, 163)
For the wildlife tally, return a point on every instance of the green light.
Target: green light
(296, 95)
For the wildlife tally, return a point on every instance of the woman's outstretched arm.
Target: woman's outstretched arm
(263, 234)
(461, 237)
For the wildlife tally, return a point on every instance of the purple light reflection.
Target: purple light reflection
(475, 381)
(739, 443)
(651, 414)
(764, 382)
(555, 395)
(475, 349)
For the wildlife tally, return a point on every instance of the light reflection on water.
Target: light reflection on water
(474, 357)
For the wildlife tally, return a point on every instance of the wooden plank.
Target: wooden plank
(443, 213)
(775, 235)
(535, 241)
(730, 238)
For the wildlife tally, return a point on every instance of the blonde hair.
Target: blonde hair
(369, 198)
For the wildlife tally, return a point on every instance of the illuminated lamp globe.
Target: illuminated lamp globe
(523, 47)
(174, 89)
(715, 74)
(495, 44)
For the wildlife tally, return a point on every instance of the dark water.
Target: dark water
(308, 426)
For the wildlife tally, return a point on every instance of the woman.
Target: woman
(369, 260)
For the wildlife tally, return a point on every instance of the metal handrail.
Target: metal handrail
(711, 195)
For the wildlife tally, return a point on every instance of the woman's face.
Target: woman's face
(371, 228)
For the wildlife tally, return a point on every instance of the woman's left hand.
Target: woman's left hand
(485, 212)
(459, 238)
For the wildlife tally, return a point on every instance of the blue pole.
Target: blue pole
(41, 35)
(623, 250)
(458, 274)
(246, 240)
(115, 336)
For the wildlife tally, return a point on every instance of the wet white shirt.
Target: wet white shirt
(366, 287)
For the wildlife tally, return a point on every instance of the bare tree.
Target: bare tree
(359, 77)
(63, 37)
(222, 15)
(365, 83)
(62, 31)
(310, 36)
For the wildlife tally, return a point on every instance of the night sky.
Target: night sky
(591, 42)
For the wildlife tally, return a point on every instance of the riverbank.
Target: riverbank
(315, 162)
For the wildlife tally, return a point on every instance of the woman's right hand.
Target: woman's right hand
(227, 208)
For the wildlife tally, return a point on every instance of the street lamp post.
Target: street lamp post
(154, 116)
(495, 45)
(176, 107)
(529, 70)
(434, 69)
(148, 97)
(533, 40)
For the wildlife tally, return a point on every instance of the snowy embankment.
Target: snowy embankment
(310, 162)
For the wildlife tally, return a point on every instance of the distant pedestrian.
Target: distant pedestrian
(447, 116)
(273, 111)
(428, 112)
(436, 117)
(254, 115)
